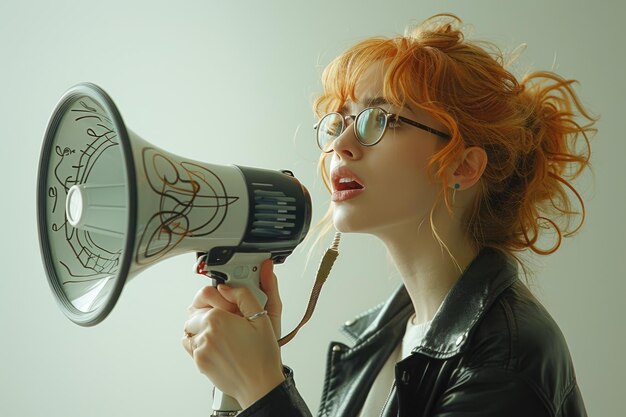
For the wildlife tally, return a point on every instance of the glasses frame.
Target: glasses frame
(387, 117)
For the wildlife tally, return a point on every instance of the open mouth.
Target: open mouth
(347, 185)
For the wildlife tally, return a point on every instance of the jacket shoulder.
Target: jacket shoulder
(519, 337)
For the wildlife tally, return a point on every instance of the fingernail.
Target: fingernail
(223, 287)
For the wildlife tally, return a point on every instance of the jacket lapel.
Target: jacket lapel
(484, 279)
(376, 332)
(490, 273)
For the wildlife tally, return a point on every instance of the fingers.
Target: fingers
(198, 320)
(188, 343)
(211, 304)
(244, 299)
(209, 297)
(234, 352)
(201, 321)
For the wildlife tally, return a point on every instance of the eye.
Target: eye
(331, 125)
(332, 129)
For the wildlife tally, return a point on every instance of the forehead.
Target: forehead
(368, 90)
(370, 83)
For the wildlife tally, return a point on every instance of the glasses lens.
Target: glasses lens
(370, 125)
(330, 127)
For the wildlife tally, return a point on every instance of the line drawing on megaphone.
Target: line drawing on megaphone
(110, 204)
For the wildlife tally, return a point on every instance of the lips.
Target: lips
(342, 172)
(352, 185)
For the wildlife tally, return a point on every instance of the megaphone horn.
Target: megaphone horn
(110, 204)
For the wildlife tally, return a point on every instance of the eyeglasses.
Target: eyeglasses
(369, 127)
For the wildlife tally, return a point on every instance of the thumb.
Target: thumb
(269, 285)
(274, 306)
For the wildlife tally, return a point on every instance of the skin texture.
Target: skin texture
(398, 197)
(242, 358)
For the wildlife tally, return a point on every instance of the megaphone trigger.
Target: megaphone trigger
(242, 270)
(198, 267)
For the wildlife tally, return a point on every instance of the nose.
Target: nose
(347, 145)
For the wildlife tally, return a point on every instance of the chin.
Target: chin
(342, 224)
(350, 223)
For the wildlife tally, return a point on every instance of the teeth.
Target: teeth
(343, 180)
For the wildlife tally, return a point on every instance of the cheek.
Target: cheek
(404, 170)
(405, 184)
(405, 192)
(398, 189)
(385, 203)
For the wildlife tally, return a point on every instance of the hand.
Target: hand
(240, 357)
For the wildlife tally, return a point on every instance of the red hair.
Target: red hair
(529, 128)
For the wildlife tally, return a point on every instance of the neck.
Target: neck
(427, 269)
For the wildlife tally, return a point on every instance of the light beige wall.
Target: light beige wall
(232, 83)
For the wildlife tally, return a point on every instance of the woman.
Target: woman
(455, 165)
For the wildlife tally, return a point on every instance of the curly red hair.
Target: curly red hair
(529, 128)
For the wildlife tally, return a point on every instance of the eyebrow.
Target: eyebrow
(375, 101)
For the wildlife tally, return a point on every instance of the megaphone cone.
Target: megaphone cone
(110, 204)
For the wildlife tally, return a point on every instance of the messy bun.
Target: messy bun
(530, 129)
(538, 165)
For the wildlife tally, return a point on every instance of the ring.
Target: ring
(257, 315)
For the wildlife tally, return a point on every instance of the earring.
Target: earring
(456, 186)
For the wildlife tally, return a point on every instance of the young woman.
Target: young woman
(455, 165)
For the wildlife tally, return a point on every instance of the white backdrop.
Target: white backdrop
(232, 83)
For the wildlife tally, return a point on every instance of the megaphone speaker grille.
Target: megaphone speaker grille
(86, 146)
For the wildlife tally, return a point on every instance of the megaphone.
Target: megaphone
(110, 204)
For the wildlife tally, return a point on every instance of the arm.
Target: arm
(284, 401)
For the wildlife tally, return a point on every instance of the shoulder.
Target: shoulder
(517, 339)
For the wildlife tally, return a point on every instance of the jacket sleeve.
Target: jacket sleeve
(284, 401)
(492, 393)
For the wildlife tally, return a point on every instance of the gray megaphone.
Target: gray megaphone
(110, 204)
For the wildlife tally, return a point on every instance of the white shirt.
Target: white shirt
(384, 380)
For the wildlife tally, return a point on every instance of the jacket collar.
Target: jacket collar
(490, 273)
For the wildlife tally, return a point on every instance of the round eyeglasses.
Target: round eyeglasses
(369, 127)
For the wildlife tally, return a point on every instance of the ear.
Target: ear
(469, 169)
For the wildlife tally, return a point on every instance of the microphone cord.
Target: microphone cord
(322, 273)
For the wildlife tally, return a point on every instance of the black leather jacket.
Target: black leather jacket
(491, 350)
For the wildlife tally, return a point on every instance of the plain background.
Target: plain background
(232, 83)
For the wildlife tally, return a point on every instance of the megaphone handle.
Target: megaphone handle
(224, 405)
(242, 270)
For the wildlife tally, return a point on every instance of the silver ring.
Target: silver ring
(257, 315)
